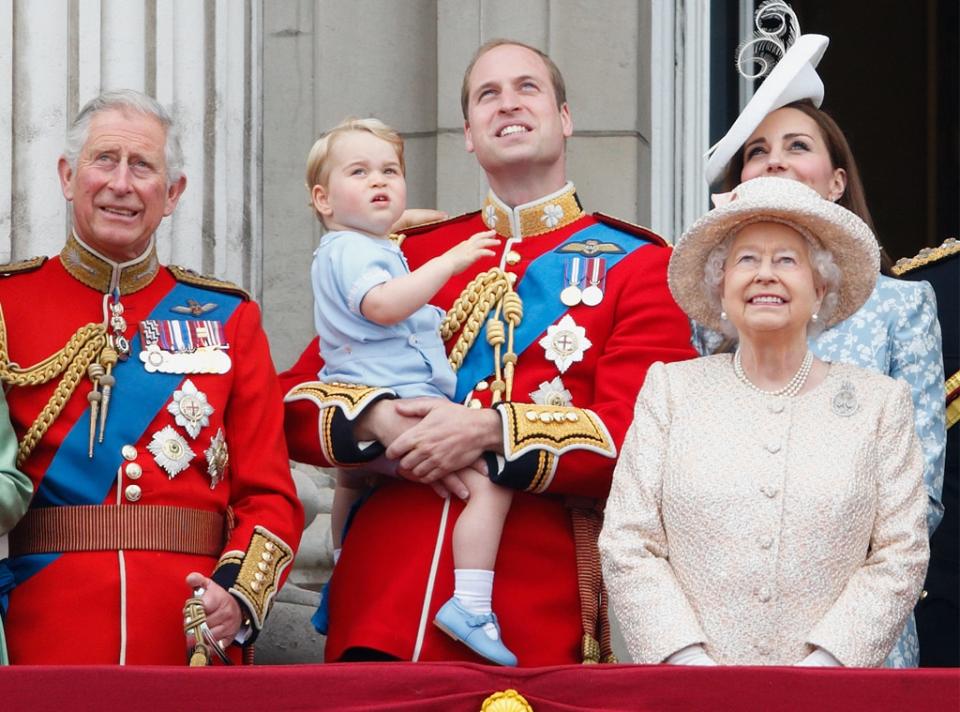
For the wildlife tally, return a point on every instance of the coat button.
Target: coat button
(775, 407)
(133, 471)
(765, 541)
(513, 257)
(132, 493)
(512, 277)
(482, 386)
(763, 594)
(129, 452)
(769, 490)
(773, 448)
(474, 403)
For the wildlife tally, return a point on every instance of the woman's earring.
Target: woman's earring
(815, 317)
(723, 315)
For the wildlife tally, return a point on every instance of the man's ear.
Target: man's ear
(321, 201)
(467, 136)
(566, 120)
(66, 177)
(174, 191)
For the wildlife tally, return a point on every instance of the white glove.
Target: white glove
(819, 658)
(691, 655)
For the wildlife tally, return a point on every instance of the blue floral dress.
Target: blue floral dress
(897, 333)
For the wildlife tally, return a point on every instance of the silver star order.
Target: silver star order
(170, 451)
(565, 343)
(217, 458)
(190, 408)
(552, 393)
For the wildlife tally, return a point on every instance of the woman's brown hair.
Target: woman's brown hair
(854, 197)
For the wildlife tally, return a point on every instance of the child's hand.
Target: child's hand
(470, 250)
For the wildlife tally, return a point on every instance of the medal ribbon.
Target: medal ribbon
(73, 478)
(538, 313)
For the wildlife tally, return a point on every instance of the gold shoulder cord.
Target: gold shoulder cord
(490, 291)
(72, 361)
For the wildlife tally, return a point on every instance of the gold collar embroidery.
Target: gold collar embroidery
(88, 266)
(551, 212)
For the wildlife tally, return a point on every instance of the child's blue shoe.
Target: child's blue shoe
(460, 624)
(321, 617)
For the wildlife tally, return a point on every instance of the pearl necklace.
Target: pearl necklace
(789, 390)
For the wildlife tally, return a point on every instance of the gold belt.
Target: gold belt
(110, 528)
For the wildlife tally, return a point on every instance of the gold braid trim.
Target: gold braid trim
(469, 311)
(72, 361)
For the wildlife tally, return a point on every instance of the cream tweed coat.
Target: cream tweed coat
(763, 526)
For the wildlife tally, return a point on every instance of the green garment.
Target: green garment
(15, 489)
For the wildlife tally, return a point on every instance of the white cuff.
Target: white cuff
(819, 658)
(690, 655)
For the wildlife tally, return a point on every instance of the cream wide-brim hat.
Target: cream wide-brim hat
(793, 78)
(848, 239)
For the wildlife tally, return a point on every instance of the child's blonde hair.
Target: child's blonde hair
(318, 168)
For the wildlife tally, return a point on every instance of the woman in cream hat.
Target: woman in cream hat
(767, 507)
(782, 132)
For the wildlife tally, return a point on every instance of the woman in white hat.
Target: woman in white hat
(767, 507)
(782, 132)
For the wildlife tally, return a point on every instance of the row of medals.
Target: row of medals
(190, 408)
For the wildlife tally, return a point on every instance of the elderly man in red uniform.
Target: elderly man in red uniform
(551, 339)
(149, 418)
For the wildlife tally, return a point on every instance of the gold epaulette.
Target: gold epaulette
(260, 570)
(348, 397)
(926, 256)
(555, 429)
(430, 226)
(189, 276)
(22, 266)
(952, 387)
(631, 229)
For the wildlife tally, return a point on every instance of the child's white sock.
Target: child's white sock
(473, 588)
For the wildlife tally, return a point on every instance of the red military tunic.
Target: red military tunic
(387, 586)
(125, 606)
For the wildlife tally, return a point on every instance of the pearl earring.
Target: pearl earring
(723, 315)
(815, 317)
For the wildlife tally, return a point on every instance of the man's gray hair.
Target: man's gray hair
(126, 100)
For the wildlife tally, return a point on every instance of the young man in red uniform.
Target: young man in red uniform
(149, 418)
(579, 309)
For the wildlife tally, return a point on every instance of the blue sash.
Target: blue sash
(73, 478)
(540, 291)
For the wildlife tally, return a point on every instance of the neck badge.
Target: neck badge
(174, 346)
(565, 343)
